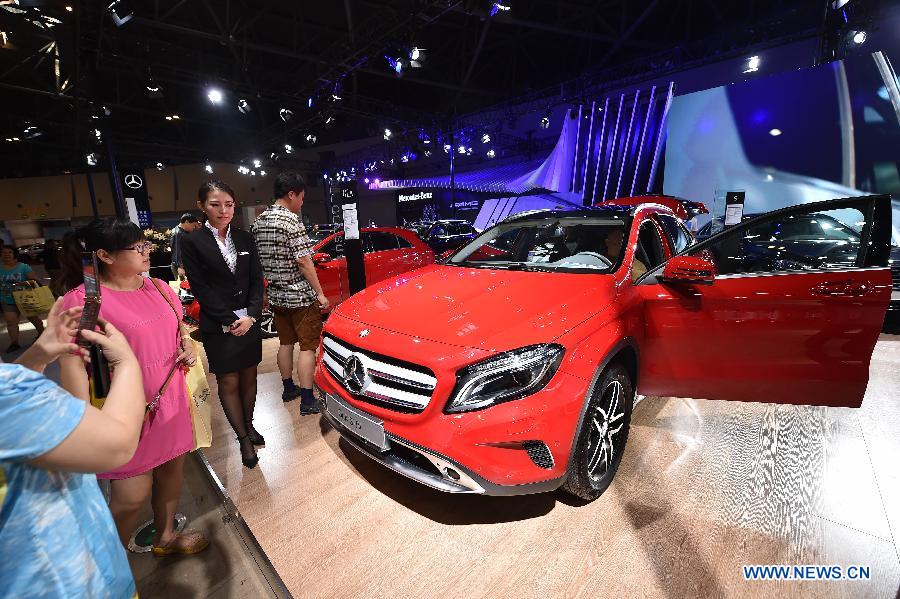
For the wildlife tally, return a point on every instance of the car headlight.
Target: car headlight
(507, 376)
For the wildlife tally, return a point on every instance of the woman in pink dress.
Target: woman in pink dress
(137, 307)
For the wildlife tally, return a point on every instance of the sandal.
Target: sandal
(183, 544)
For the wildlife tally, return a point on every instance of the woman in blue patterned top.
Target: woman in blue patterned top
(57, 537)
(12, 274)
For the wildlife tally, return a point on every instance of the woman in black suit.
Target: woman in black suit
(226, 278)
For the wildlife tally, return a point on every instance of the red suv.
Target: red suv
(513, 367)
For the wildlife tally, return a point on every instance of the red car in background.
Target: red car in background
(387, 252)
(512, 367)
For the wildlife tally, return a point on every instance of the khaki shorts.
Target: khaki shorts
(299, 325)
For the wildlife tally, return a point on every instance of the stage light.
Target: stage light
(491, 153)
(13, 139)
(366, 180)
(285, 114)
(119, 12)
(404, 158)
(337, 92)
(774, 132)
(485, 139)
(243, 106)
(461, 149)
(311, 139)
(68, 8)
(288, 148)
(416, 57)
(243, 170)
(859, 38)
(262, 173)
(309, 102)
(752, 64)
(97, 135)
(160, 166)
(396, 64)
(172, 117)
(447, 148)
(208, 168)
(500, 7)
(388, 134)
(257, 163)
(469, 151)
(91, 159)
(427, 153)
(30, 131)
(215, 96)
(545, 122)
(154, 89)
(252, 173)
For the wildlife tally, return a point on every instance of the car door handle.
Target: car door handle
(848, 288)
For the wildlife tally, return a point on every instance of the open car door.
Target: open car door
(783, 308)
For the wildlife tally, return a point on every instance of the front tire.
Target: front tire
(603, 435)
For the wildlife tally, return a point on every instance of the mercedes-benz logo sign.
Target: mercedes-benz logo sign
(354, 374)
(133, 181)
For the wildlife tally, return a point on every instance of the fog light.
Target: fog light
(451, 473)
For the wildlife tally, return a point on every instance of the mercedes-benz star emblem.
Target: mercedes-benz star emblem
(354, 374)
(364, 333)
(133, 181)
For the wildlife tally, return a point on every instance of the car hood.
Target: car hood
(494, 310)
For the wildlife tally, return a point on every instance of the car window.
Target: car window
(402, 243)
(439, 230)
(675, 231)
(377, 241)
(569, 244)
(649, 248)
(334, 248)
(814, 241)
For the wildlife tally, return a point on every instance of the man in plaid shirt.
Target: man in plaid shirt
(295, 295)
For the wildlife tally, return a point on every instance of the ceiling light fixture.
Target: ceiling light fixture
(388, 134)
(215, 96)
(288, 148)
(286, 114)
(859, 38)
(208, 168)
(243, 106)
(752, 64)
(120, 12)
(91, 159)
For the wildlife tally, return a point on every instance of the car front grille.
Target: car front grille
(379, 380)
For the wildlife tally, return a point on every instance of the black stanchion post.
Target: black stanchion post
(353, 250)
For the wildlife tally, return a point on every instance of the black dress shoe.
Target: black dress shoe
(248, 455)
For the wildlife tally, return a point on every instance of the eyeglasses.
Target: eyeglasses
(141, 248)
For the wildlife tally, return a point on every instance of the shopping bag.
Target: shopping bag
(34, 301)
(198, 398)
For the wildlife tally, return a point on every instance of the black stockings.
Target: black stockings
(237, 392)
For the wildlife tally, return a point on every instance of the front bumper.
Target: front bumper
(432, 469)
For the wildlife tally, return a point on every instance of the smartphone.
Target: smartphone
(91, 296)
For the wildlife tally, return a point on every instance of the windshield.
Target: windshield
(574, 244)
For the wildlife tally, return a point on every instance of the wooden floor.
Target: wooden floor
(703, 488)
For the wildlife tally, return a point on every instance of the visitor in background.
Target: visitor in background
(295, 295)
(12, 276)
(57, 538)
(225, 276)
(138, 308)
(188, 224)
(50, 258)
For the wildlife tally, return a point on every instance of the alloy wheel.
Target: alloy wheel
(606, 424)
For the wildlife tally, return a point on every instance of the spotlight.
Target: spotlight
(311, 139)
(309, 102)
(500, 7)
(215, 96)
(859, 38)
(91, 159)
(285, 114)
(388, 134)
(243, 106)
(252, 173)
(416, 57)
(447, 148)
(97, 135)
(336, 92)
(366, 180)
(427, 153)
(257, 163)
(119, 12)
(752, 64)
(404, 158)
(396, 64)
(329, 121)
(243, 170)
(491, 153)
(288, 148)
(30, 131)
(160, 166)
(461, 149)
(545, 123)
(154, 90)
(68, 8)
(262, 173)
(468, 151)
(485, 139)
(208, 168)
(173, 117)
(774, 132)
(13, 139)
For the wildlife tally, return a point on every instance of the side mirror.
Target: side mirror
(321, 258)
(692, 270)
